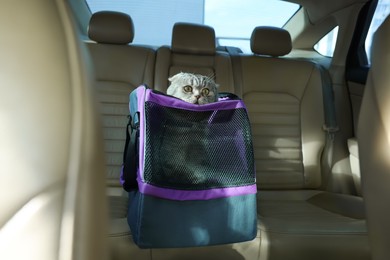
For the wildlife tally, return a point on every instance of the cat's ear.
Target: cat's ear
(216, 85)
(175, 76)
(172, 78)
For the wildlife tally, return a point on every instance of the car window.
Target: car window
(381, 12)
(233, 21)
(327, 44)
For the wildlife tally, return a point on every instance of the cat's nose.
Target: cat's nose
(197, 96)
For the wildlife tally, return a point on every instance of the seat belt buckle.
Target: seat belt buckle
(331, 130)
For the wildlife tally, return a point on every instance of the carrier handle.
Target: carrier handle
(227, 96)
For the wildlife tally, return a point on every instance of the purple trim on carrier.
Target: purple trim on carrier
(141, 93)
(178, 103)
(122, 177)
(195, 194)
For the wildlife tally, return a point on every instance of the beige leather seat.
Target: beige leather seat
(52, 201)
(285, 103)
(193, 50)
(120, 67)
(355, 164)
(374, 147)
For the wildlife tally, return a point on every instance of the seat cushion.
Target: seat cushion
(311, 223)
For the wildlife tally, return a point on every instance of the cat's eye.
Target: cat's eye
(187, 88)
(205, 91)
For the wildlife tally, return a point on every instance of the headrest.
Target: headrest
(272, 41)
(193, 38)
(111, 27)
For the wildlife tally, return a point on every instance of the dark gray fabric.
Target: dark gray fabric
(161, 223)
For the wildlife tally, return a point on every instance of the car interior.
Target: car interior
(319, 126)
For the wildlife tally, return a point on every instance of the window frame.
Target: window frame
(357, 65)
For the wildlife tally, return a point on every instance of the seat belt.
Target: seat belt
(330, 126)
(237, 70)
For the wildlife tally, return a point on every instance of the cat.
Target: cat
(193, 88)
(184, 162)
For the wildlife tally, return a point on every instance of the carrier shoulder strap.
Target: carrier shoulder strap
(330, 126)
(130, 156)
(237, 73)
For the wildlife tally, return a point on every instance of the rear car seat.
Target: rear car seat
(285, 104)
(119, 68)
(193, 50)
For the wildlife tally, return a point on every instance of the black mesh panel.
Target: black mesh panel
(197, 150)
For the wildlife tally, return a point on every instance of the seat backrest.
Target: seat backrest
(52, 190)
(285, 105)
(193, 50)
(120, 67)
(374, 146)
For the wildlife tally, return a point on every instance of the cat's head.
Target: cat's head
(193, 88)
